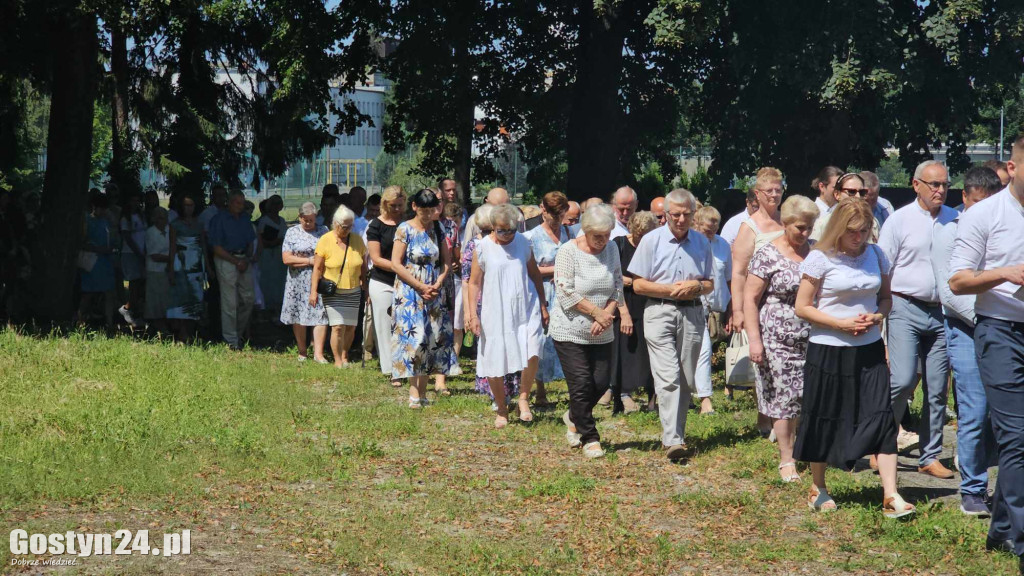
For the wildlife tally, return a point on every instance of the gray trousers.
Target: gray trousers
(237, 295)
(917, 333)
(674, 335)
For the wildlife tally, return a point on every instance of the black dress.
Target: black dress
(632, 367)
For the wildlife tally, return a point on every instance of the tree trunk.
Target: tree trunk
(123, 171)
(464, 152)
(69, 153)
(594, 148)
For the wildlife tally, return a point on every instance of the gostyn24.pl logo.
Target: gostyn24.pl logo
(122, 542)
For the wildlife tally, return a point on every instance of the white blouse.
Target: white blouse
(579, 276)
(849, 287)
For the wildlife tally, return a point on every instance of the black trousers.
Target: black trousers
(587, 369)
(1000, 348)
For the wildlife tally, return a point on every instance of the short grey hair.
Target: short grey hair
(482, 216)
(307, 209)
(632, 192)
(924, 165)
(598, 219)
(682, 196)
(505, 214)
(343, 215)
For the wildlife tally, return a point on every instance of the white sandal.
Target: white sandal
(895, 507)
(794, 477)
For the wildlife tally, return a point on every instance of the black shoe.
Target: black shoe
(1004, 546)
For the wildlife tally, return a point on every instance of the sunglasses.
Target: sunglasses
(505, 232)
(851, 192)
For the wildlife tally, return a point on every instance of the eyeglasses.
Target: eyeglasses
(936, 185)
(505, 231)
(770, 191)
(678, 215)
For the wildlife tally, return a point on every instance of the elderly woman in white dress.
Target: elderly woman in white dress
(588, 281)
(512, 316)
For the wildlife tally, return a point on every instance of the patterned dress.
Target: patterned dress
(482, 385)
(544, 251)
(295, 308)
(422, 335)
(189, 271)
(780, 380)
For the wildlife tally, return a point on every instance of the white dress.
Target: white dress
(511, 331)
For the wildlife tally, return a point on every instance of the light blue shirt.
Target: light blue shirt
(719, 298)
(882, 210)
(662, 259)
(943, 239)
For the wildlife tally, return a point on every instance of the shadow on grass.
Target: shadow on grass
(870, 495)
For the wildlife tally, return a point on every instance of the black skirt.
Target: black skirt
(846, 412)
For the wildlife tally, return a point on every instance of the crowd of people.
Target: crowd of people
(846, 302)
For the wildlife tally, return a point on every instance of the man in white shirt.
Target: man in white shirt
(916, 332)
(988, 260)
(732, 225)
(975, 444)
(825, 183)
(673, 267)
(624, 202)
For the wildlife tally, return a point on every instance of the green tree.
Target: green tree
(806, 83)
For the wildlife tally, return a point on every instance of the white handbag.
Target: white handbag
(739, 370)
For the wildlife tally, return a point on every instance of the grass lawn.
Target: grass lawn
(281, 467)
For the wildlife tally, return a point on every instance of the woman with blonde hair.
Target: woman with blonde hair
(778, 338)
(380, 240)
(846, 412)
(762, 227)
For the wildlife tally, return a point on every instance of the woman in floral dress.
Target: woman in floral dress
(297, 254)
(422, 336)
(778, 338)
(482, 221)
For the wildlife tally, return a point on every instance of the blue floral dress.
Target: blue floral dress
(544, 251)
(422, 334)
(482, 385)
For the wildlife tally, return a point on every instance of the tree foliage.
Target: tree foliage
(806, 83)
